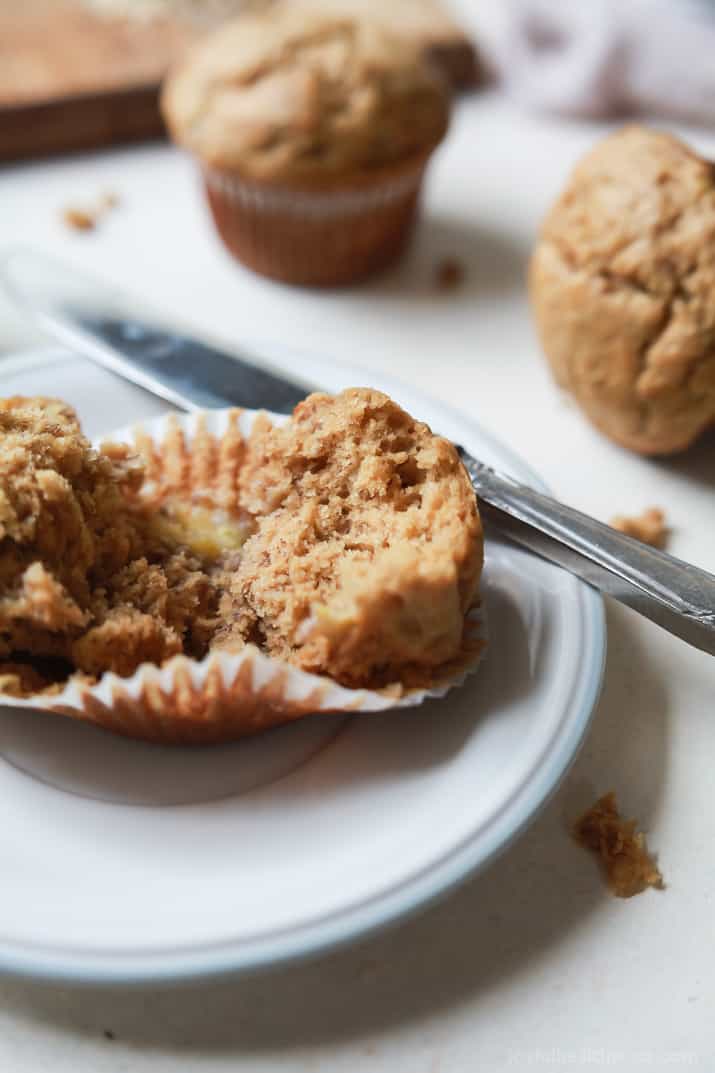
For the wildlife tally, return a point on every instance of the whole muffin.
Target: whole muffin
(313, 132)
(622, 285)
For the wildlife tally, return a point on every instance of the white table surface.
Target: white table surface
(532, 965)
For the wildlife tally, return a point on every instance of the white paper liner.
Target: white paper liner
(322, 203)
(225, 695)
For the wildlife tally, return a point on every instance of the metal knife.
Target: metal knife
(110, 328)
(113, 329)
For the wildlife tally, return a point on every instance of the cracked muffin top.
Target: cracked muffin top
(345, 542)
(622, 284)
(289, 95)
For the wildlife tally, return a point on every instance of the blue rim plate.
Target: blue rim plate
(30, 947)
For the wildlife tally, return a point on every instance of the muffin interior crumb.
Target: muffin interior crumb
(79, 219)
(367, 549)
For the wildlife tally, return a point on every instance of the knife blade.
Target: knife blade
(113, 329)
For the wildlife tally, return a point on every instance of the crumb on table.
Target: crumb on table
(627, 865)
(449, 274)
(649, 527)
(86, 218)
(79, 219)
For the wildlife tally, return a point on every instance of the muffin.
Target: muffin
(201, 585)
(622, 285)
(313, 132)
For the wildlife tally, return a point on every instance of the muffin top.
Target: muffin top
(287, 96)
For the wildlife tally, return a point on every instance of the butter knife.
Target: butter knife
(119, 332)
(112, 329)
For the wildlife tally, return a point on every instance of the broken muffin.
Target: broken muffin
(345, 542)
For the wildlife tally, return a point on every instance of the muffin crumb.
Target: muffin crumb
(627, 865)
(449, 274)
(79, 219)
(87, 218)
(649, 527)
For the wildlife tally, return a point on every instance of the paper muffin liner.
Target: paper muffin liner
(327, 237)
(225, 696)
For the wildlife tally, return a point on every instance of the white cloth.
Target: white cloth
(605, 57)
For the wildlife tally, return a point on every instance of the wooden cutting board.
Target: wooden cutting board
(72, 78)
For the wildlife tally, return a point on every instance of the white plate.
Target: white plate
(124, 861)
